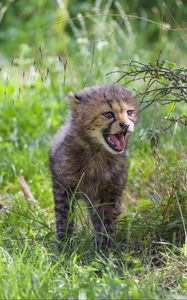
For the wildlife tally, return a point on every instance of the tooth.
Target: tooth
(109, 139)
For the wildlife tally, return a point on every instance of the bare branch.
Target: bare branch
(162, 83)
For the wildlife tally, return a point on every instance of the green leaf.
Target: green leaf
(170, 109)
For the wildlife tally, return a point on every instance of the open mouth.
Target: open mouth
(116, 141)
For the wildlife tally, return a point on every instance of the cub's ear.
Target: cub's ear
(74, 100)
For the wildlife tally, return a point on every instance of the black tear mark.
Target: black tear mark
(107, 130)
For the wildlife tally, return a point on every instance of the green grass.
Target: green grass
(148, 259)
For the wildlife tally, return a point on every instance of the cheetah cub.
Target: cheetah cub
(88, 159)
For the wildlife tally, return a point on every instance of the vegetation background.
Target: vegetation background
(48, 48)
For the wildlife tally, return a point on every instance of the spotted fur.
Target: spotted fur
(81, 160)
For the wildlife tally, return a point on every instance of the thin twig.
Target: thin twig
(26, 191)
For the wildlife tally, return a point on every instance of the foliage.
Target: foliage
(148, 259)
(28, 30)
(164, 83)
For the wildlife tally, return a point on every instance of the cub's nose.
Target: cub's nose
(124, 126)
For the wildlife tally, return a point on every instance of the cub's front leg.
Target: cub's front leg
(64, 210)
(104, 218)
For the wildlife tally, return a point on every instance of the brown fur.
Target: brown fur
(80, 159)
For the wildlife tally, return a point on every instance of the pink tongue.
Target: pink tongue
(118, 140)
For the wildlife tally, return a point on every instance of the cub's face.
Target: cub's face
(106, 113)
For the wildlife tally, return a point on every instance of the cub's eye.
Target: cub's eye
(108, 115)
(130, 112)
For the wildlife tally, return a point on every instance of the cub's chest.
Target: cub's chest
(92, 170)
(102, 178)
(103, 172)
